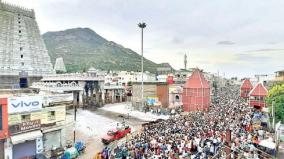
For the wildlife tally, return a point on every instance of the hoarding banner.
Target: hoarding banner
(24, 104)
(152, 100)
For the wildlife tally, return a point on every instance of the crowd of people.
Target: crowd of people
(199, 135)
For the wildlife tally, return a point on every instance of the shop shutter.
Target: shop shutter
(26, 149)
(52, 139)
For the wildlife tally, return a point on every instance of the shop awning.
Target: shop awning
(16, 139)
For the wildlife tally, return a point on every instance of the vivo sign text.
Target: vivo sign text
(24, 104)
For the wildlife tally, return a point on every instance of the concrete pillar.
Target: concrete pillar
(80, 98)
(97, 96)
(112, 96)
(75, 97)
(8, 151)
(103, 96)
(120, 95)
(90, 93)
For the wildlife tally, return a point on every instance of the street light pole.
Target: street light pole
(142, 26)
(273, 115)
(75, 118)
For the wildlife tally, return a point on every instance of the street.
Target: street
(91, 125)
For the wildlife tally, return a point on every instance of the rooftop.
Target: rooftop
(259, 90)
(197, 80)
(246, 84)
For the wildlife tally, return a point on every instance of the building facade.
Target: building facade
(246, 88)
(36, 125)
(24, 127)
(152, 90)
(196, 93)
(175, 95)
(88, 88)
(114, 94)
(3, 125)
(257, 96)
(23, 55)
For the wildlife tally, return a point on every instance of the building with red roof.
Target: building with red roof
(257, 96)
(246, 88)
(196, 93)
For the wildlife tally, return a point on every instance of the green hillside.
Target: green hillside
(82, 48)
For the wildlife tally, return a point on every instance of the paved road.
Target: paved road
(94, 143)
(118, 117)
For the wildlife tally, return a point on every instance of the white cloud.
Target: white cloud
(176, 27)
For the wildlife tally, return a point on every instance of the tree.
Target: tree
(276, 95)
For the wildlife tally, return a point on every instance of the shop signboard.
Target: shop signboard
(25, 126)
(24, 104)
(29, 125)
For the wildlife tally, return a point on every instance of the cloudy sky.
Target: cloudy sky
(237, 37)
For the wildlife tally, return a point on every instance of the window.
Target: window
(22, 56)
(26, 117)
(19, 22)
(1, 120)
(21, 48)
(177, 98)
(51, 115)
(22, 63)
(20, 31)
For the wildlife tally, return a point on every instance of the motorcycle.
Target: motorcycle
(80, 146)
(73, 151)
(56, 153)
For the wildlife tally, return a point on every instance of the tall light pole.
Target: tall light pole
(142, 26)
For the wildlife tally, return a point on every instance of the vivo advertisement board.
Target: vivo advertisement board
(24, 104)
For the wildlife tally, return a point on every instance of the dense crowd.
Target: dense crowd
(198, 135)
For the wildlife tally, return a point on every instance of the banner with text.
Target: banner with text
(24, 104)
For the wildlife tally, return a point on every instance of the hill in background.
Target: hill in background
(82, 48)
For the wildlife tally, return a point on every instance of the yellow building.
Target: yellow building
(34, 126)
(47, 115)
